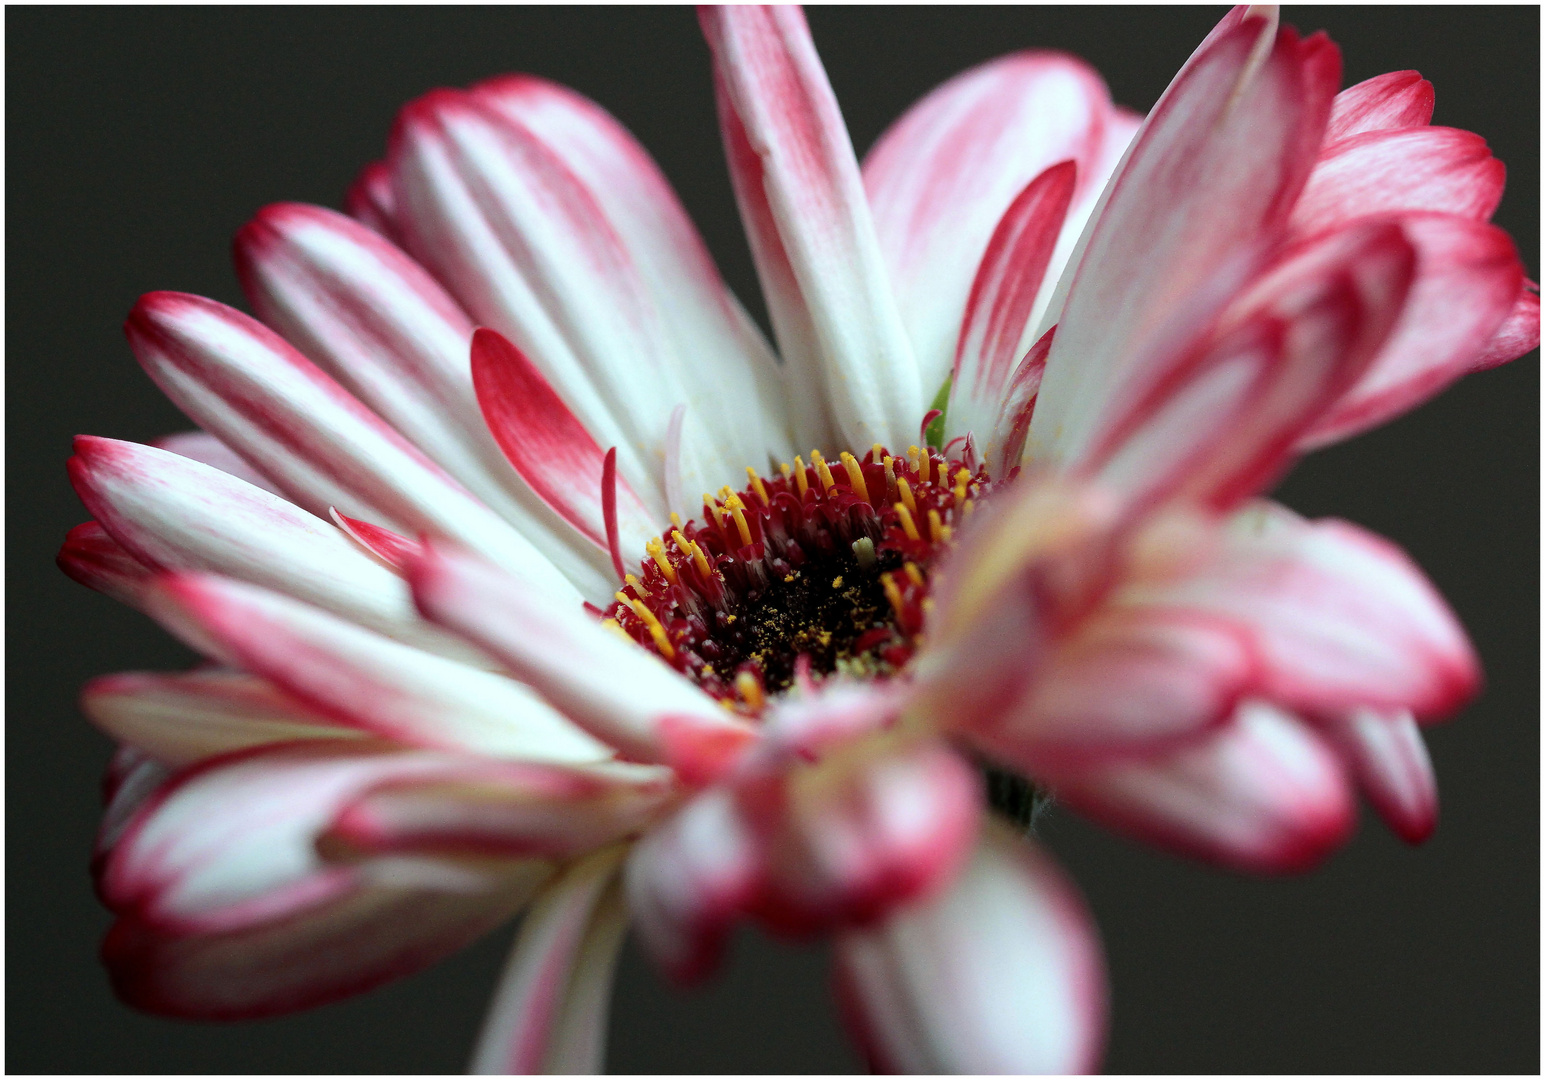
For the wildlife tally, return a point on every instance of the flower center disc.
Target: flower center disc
(822, 569)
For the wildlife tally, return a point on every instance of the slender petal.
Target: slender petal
(172, 513)
(549, 1013)
(377, 322)
(998, 310)
(550, 449)
(1263, 795)
(1214, 172)
(1002, 973)
(323, 448)
(501, 810)
(718, 350)
(202, 446)
(364, 680)
(944, 175)
(1386, 754)
(186, 717)
(227, 910)
(528, 249)
(132, 777)
(560, 651)
(1388, 102)
(808, 219)
(1467, 281)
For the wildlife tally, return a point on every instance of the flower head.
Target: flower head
(478, 644)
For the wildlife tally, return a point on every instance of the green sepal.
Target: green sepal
(933, 434)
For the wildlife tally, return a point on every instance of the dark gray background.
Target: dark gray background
(139, 140)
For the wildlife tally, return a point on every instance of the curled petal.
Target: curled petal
(808, 220)
(1340, 618)
(1467, 279)
(1388, 102)
(97, 561)
(1000, 973)
(850, 838)
(1386, 754)
(1519, 332)
(1263, 794)
(549, 1013)
(689, 878)
(1381, 172)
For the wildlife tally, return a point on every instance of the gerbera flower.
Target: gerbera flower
(1041, 365)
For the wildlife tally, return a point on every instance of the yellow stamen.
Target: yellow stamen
(675, 519)
(787, 470)
(907, 524)
(736, 508)
(694, 552)
(920, 460)
(939, 531)
(657, 553)
(914, 573)
(876, 452)
(890, 476)
(757, 486)
(801, 481)
(969, 506)
(713, 508)
(963, 476)
(638, 586)
(749, 687)
(616, 627)
(855, 475)
(647, 617)
(906, 494)
(825, 474)
(892, 593)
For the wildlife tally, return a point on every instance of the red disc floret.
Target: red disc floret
(827, 562)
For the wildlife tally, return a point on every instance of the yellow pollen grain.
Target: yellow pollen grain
(656, 631)
(855, 475)
(906, 494)
(713, 508)
(827, 483)
(892, 593)
(736, 508)
(908, 526)
(749, 687)
(914, 573)
(657, 553)
(801, 481)
(757, 486)
(696, 553)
